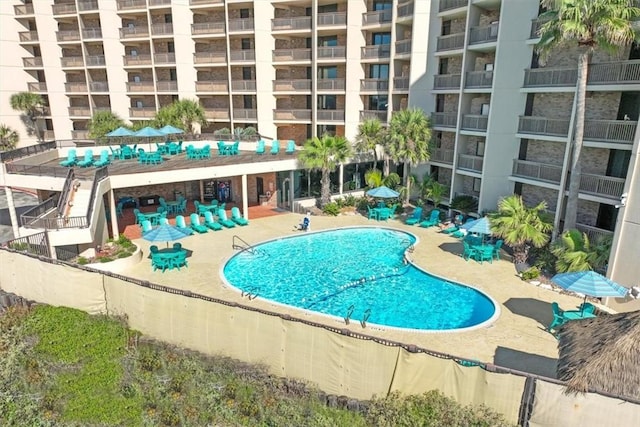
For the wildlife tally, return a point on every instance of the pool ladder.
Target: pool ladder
(251, 293)
(241, 245)
(363, 322)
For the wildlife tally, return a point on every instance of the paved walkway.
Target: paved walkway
(517, 339)
(23, 201)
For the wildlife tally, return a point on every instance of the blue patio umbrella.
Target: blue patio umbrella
(149, 132)
(479, 226)
(170, 130)
(121, 131)
(165, 233)
(589, 283)
(383, 192)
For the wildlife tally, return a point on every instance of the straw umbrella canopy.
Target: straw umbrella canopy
(601, 354)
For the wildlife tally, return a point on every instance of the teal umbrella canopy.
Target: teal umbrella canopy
(165, 233)
(149, 132)
(121, 131)
(479, 226)
(170, 130)
(589, 283)
(383, 192)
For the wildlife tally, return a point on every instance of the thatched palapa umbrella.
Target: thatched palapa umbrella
(602, 354)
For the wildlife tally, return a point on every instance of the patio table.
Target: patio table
(484, 252)
(153, 217)
(172, 206)
(577, 315)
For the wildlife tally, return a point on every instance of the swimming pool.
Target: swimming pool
(360, 273)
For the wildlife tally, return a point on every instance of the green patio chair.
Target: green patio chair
(484, 254)
(291, 147)
(211, 223)
(450, 230)
(235, 148)
(236, 217)
(192, 154)
(469, 252)
(146, 226)
(434, 219)
(415, 217)
(127, 152)
(260, 147)
(179, 260)
(558, 317)
(205, 152)
(181, 224)
(222, 216)
(87, 161)
(496, 248)
(275, 146)
(200, 210)
(195, 224)
(160, 262)
(103, 160)
(72, 159)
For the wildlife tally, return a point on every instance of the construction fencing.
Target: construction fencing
(338, 361)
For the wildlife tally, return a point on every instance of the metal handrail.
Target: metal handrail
(66, 190)
(27, 151)
(100, 174)
(30, 216)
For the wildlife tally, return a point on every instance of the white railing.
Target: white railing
(536, 77)
(475, 122)
(449, 120)
(401, 83)
(95, 60)
(99, 86)
(615, 72)
(80, 111)
(164, 58)
(136, 31)
(84, 5)
(374, 85)
(212, 86)
(92, 33)
(619, 131)
(280, 114)
(332, 52)
(131, 4)
(403, 46)
(142, 59)
(243, 55)
(602, 185)
(543, 126)
(23, 9)
(63, 8)
(479, 79)
(161, 29)
(147, 86)
(216, 113)
(451, 4)
(66, 36)
(294, 23)
(469, 162)
(72, 61)
(243, 85)
(405, 9)
(28, 36)
(32, 61)
(245, 114)
(594, 234)
(377, 17)
(446, 81)
(37, 86)
(244, 24)
(334, 18)
(75, 87)
(209, 57)
(142, 111)
(167, 86)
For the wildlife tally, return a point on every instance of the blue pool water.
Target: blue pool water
(361, 270)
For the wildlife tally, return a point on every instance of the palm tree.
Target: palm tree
(325, 154)
(371, 133)
(103, 122)
(189, 111)
(31, 104)
(8, 138)
(589, 25)
(521, 226)
(408, 140)
(575, 252)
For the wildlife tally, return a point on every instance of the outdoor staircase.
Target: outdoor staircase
(80, 200)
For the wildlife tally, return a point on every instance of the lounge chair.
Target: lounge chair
(211, 223)
(235, 148)
(87, 161)
(195, 224)
(434, 219)
(450, 230)
(146, 226)
(275, 147)
(181, 224)
(104, 159)
(163, 221)
(237, 217)
(72, 159)
(558, 317)
(415, 217)
(291, 147)
(222, 216)
(260, 147)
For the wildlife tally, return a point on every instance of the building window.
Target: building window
(330, 72)
(446, 28)
(171, 47)
(379, 71)
(328, 8)
(246, 73)
(245, 13)
(381, 38)
(443, 66)
(440, 103)
(378, 102)
(248, 102)
(326, 102)
(168, 19)
(246, 44)
(437, 139)
(328, 41)
(480, 149)
(326, 130)
(476, 184)
(382, 5)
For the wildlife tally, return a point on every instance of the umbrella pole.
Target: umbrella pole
(583, 304)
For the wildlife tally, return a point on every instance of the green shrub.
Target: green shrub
(464, 203)
(82, 261)
(331, 209)
(362, 204)
(105, 259)
(123, 254)
(531, 273)
(19, 246)
(350, 200)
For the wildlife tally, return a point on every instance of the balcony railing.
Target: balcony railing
(75, 87)
(68, 36)
(376, 51)
(450, 42)
(403, 46)
(72, 61)
(294, 23)
(86, 5)
(167, 86)
(291, 85)
(452, 4)
(95, 61)
(442, 155)
(80, 134)
(212, 86)
(37, 87)
(131, 4)
(142, 111)
(600, 185)
(244, 24)
(142, 59)
(446, 81)
(617, 131)
(538, 171)
(23, 9)
(243, 55)
(245, 114)
(334, 18)
(159, 2)
(546, 77)
(469, 162)
(330, 84)
(146, 86)
(216, 113)
(243, 85)
(207, 2)
(332, 52)
(373, 114)
(405, 9)
(133, 32)
(292, 115)
(535, 27)
(475, 122)
(208, 28)
(543, 126)
(63, 8)
(28, 36)
(447, 120)
(401, 83)
(32, 62)
(377, 17)
(484, 34)
(623, 72)
(594, 234)
(209, 57)
(48, 135)
(162, 29)
(164, 58)
(330, 115)
(80, 111)
(374, 85)
(292, 54)
(92, 33)
(478, 79)
(99, 86)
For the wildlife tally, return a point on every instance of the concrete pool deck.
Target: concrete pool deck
(517, 340)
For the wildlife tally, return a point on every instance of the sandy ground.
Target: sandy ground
(517, 339)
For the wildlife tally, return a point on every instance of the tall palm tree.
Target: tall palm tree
(31, 104)
(589, 25)
(575, 252)
(8, 138)
(408, 141)
(103, 122)
(325, 154)
(190, 112)
(521, 226)
(371, 133)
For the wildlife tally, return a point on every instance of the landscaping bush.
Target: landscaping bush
(531, 273)
(331, 208)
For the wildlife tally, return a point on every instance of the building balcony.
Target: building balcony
(146, 86)
(550, 77)
(405, 10)
(537, 171)
(403, 47)
(478, 79)
(82, 111)
(23, 9)
(475, 122)
(613, 131)
(142, 59)
(330, 115)
(87, 5)
(332, 19)
(332, 52)
(134, 32)
(159, 2)
(32, 62)
(162, 29)
(444, 120)
(483, 34)
(131, 4)
(608, 73)
(48, 135)
(243, 85)
(330, 85)
(298, 23)
(80, 134)
(376, 51)
(543, 126)
(245, 114)
(68, 36)
(594, 234)
(451, 4)
(217, 114)
(206, 2)
(285, 55)
(450, 42)
(37, 86)
(63, 9)
(167, 86)
(238, 25)
(446, 81)
(28, 36)
(441, 155)
(142, 112)
(75, 87)
(376, 17)
(469, 162)
(92, 33)
(297, 85)
(292, 115)
(95, 61)
(99, 86)
(374, 85)
(373, 114)
(208, 28)
(164, 58)
(221, 86)
(72, 61)
(245, 55)
(210, 57)
(401, 83)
